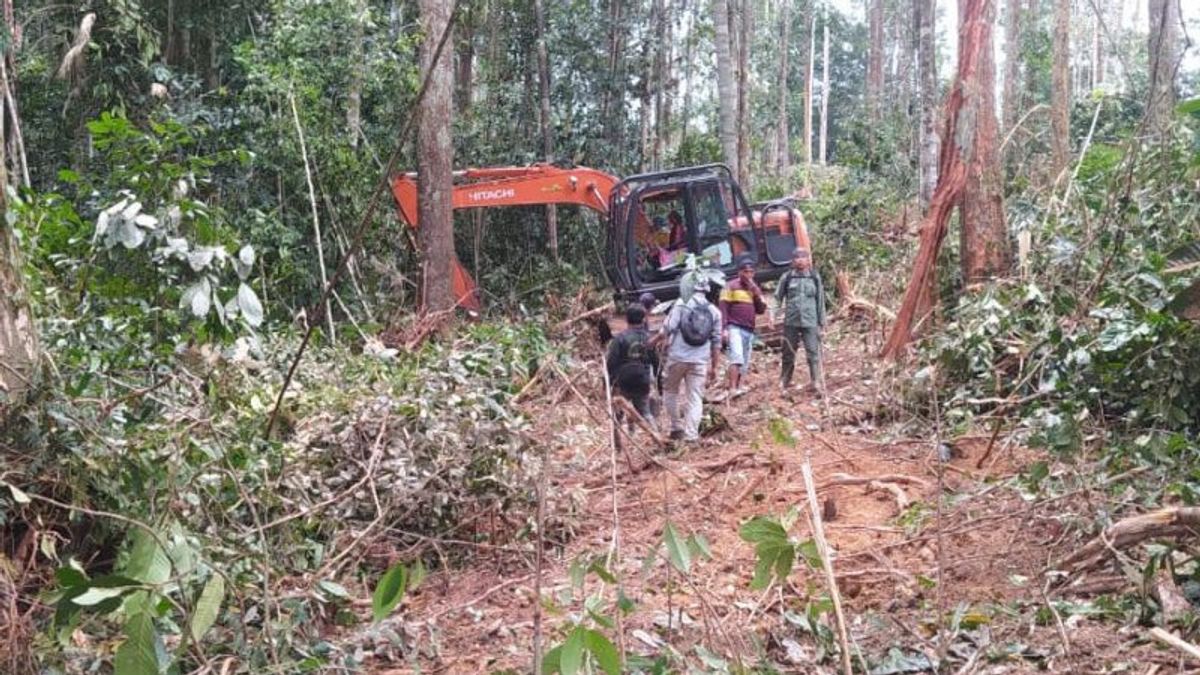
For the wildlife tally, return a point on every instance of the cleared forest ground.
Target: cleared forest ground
(979, 564)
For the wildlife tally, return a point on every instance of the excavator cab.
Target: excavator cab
(658, 219)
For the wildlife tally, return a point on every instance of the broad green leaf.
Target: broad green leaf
(147, 561)
(699, 547)
(552, 661)
(208, 606)
(251, 308)
(94, 596)
(1191, 107)
(138, 654)
(389, 592)
(603, 652)
(761, 529)
(70, 575)
(808, 550)
(677, 549)
(572, 652)
(601, 571)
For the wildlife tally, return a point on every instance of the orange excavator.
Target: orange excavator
(653, 220)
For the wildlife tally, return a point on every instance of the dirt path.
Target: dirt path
(893, 574)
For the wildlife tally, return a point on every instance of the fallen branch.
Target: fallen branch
(594, 312)
(896, 491)
(1171, 640)
(846, 479)
(814, 514)
(1175, 607)
(1176, 522)
(626, 407)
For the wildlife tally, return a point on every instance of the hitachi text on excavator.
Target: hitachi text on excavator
(652, 220)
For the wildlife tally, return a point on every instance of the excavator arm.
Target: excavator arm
(533, 185)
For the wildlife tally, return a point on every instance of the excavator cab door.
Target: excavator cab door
(659, 219)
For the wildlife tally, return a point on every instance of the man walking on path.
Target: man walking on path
(693, 329)
(802, 296)
(741, 301)
(633, 362)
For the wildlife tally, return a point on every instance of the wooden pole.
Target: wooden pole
(814, 511)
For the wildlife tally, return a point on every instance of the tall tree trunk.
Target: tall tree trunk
(927, 68)
(19, 350)
(984, 246)
(646, 95)
(169, 48)
(464, 78)
(685, 111)
(547, 125)
(745, 27)
(1060, 94)
(358, 69)
(1163, 46)
(875, 48)
(1012, 66)
(662, 44)
(435, 158)
(726, 89)
(1098, 52)
(808, 87)
(824, 80)
(782, 133)
(612, 108)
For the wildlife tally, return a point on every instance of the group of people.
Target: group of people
(696, 328)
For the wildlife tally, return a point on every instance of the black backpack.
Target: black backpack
(696, 325)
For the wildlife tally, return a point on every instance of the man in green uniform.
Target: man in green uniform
(802, 296)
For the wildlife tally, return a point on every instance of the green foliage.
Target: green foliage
(582, 645)
(389, 592)
(774, 550)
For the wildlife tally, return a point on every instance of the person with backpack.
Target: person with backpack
(633, 362)
(693, 335)
(802, 296)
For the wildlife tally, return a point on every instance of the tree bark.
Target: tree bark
(875, 47)
(547, 125)
(435, 158)
(927, 68)
(19, 349)
(1012, 66)
(464, 78)
(745, 26)
(358, 68)
(662, 45)
(956, 155)
(783, 134)
(984, 248)
(808, 86)
(1060, 94)
(824, 81)
(1163, 46)
(726, 90)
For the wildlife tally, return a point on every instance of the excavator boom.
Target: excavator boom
(533, 185)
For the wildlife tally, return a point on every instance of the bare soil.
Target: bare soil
(981, 555)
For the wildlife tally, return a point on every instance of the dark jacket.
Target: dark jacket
(632, 373)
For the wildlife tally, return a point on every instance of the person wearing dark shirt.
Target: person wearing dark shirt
(633, 362)
(741, 302)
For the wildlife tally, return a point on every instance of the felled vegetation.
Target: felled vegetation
(174, 485)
